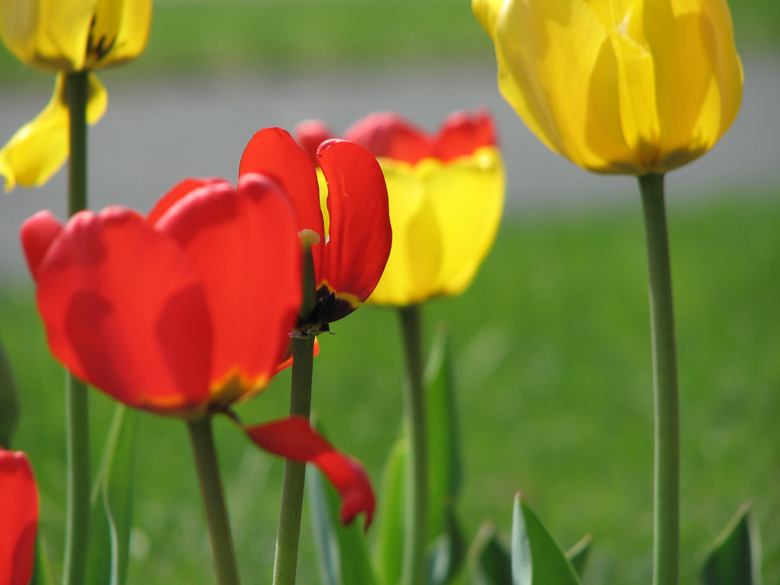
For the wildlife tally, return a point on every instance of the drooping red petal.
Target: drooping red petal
(389, 135)
(179, 191)
(273, 152)
(461, 134)
(294, 438)
(125, 311)
(37, 235)
(360, 234)
(245, 245)
(19, 514)
(309, 134)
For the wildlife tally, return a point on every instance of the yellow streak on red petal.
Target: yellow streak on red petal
(234, 386)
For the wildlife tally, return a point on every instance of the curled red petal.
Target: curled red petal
(19, 513)
(309, 134)
(179, 191)
(389, 135)
(294, 438)
(244, 243)
(124, 310)
(360, 235)
(461, 134)
(37, 235)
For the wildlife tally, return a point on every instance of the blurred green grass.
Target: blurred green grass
(219, 36)
(554, 395)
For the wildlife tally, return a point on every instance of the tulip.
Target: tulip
(184, 312)
(63, 37)
(446, 196)
(19, 505)
(618, 87)
(347, 214)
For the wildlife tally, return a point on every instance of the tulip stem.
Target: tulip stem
(415, 523)
(214, 501)
(77, 403)
(666, 516)
(291, 508)
(9, 401)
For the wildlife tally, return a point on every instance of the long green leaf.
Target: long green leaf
(490, 561)
(444, 467)
(736, 555)
(389, 548)
(112, 504)
(343, 553)
(447, 552)
(536, 558)
(578, 554)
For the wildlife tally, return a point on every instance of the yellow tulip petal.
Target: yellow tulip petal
(467, 197)
(415, 258)
(486, 12)
(39, 148)
(699, 75)
(47, 34)
(119, 33)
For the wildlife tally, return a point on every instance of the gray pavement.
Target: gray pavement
(157, 133)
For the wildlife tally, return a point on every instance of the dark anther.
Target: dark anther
(101, 49)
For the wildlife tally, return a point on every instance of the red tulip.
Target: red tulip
(354, 234)
(19, 515)
(182, 313)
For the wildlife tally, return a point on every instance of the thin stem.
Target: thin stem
(77, 403)
(415, 524)
(291, 508)
(211, 489)
(666, 516)
(9, 401)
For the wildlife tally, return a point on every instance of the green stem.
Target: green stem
(666, 516)
(291, 508)
(77, 403)
(9, 401)
(214, 500)
(415, 525)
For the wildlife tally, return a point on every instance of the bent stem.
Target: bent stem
(291, 508)
(666, 515)
(214, 501)
(415, 523)
(77, 403)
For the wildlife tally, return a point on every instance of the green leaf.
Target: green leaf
(536, 558)
(578, 554)
(42, 574)
(389, 549)
(444, 468)
(736, 555)
(447, 552)
(490, 561)
(342, 549)
(112, 504)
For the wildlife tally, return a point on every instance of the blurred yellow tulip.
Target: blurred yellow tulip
(65, 36)
(446, 195)
(618, 86)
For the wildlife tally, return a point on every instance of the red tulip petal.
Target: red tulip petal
(179, 191)
(360, 234)
(19, 513)
(125, 311)
(245, 245)
(461, 134)
(309, 134)
(37, 235)
(388, 135)
(294, 438)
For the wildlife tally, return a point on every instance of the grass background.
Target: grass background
(551, 341)
(553, 369)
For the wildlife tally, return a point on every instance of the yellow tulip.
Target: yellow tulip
(446, 195)
(618, 86)
(65, 36)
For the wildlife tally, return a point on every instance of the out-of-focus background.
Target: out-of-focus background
(551, 341)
